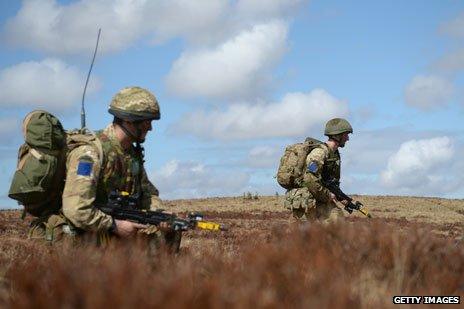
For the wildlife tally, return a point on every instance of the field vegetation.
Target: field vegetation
(412, 246)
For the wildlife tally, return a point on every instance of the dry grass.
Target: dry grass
(436, 210)
(413, 246)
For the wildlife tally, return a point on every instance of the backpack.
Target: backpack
(40, 175)
(291, 168)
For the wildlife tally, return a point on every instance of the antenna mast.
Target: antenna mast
(87, 81)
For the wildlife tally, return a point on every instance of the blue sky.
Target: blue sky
(239, 80)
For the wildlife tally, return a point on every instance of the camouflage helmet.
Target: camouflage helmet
(135, 104)
(337, 126)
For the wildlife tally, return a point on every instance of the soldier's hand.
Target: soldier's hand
(345, 202)
(164, 227)
(127, 228)
(332, 198)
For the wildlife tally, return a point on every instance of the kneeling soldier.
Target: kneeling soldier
(313, 200)
(114, 163)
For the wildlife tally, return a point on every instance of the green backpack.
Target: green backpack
(40, 175)
(292, 164)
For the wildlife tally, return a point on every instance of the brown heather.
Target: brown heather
(261, 262)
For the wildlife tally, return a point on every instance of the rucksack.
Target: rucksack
(291, 168)
(40, 175)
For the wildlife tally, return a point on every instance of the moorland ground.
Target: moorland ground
(411, 246)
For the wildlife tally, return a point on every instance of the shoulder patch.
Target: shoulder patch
(84, 168)
(312, 167)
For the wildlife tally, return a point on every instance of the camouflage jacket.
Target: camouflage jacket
(90, 179)
(321, 163)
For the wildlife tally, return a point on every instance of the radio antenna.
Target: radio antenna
(87, 81)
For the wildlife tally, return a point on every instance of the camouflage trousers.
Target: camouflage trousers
(56, 229)
(305, 207)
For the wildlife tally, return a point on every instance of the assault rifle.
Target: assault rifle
(122, 206)
(334, 187)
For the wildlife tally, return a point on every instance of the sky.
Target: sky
(238, 81)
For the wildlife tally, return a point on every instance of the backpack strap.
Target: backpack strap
(23, 151)
(79, 138)
(98, 145)
(35, 153)
(324, 145)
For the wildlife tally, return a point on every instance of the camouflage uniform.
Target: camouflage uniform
(312, 201)
(119, 172)
(102, 165)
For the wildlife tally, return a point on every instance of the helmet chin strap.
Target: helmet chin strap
(337, 138)
(140, 153)
(135, 138)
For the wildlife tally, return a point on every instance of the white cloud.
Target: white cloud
(451, 63)
(266, 9)
(193, 180)
(294, 116)
(198, 22)
(68, 29)
(434, 90)
(264, 157)
(234, 69)
(421, 166)
(367, 150)
(50, 84)
(231, 45)
(365, 158)
(428, 91)
(455, 27)
(49, 26)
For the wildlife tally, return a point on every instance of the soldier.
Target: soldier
(113, 163)
(313, 200)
